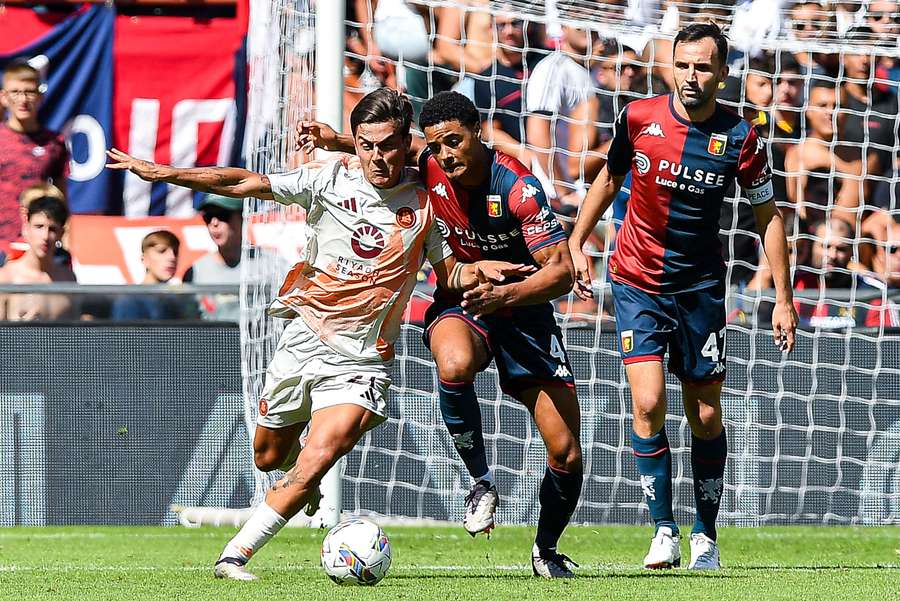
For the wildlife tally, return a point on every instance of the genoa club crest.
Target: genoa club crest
(494, 205)
(627, 341)
(717, 144)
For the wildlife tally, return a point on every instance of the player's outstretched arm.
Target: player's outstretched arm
(599, 197)
(456, 276)
(770, 225)
(551, 281)
(227, 181)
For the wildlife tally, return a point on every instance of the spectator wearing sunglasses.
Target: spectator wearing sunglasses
(224, 221)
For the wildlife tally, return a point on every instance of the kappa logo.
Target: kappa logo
(441, 190)
(654, 129)
(367, 241)
(528, 191)
(759, 145)
(641, 162)
(648, 485)
(562, 372)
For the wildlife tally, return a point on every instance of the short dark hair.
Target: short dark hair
(699, 31)
(52, 207)
(380, 106)
(449, 106)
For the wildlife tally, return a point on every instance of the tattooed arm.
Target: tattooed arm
(227, 181)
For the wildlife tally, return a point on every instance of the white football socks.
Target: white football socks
(256, 532)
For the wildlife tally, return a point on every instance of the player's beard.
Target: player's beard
(701, 98)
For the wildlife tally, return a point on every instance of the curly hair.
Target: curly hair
(449, 106)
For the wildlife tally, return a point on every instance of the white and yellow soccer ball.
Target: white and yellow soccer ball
(356, 552)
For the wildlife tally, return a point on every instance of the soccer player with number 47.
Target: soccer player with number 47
(668, 278)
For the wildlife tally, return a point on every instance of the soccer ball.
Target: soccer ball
(356, 552)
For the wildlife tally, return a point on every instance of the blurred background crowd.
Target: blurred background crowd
(818, 79)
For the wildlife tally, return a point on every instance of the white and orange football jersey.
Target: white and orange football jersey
(364, 248)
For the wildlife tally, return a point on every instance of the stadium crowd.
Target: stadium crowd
(825, 99)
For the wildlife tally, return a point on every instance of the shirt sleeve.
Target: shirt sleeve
(753, 172)
(621, 150)
(539, 97)
(303, 184)
(528, 203)
(436, 247)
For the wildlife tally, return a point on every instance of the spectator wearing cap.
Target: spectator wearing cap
(224, 222)
(159, 255)
(31, 154)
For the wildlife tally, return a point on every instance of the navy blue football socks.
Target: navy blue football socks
(654, 464)
(708, 464)
(462, 415)
(559, 495)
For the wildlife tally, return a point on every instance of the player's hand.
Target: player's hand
(485, 298)
(582, 285)
(498, 271)
(145, 170)
(784, 325)
(315, 134)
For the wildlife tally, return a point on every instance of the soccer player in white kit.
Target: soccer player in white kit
(370, 229)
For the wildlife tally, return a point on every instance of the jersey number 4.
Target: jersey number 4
(714, 349)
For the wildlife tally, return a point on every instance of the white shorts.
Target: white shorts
(306, 375)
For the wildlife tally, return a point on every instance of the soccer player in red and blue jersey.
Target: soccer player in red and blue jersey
(490, 206)
(682, 150)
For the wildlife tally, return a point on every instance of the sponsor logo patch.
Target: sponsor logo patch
(367, 241)
(641, 162)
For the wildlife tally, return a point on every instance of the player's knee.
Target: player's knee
(647, 408)
(456, 366)
(566, 458)
(267, 459)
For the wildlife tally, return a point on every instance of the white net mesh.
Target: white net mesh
(814, 438)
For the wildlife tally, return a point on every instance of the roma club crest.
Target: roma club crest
(717, 144)
(494, 205)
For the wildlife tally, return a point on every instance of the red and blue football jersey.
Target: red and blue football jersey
(508, 218)
(681, 170)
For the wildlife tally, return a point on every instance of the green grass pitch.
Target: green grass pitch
(125, 564)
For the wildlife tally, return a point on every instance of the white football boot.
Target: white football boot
(704, 553)
(665, 550)
(232, 569)
(481, 503)
(550, 564)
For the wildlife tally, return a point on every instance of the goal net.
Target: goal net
(815, 436)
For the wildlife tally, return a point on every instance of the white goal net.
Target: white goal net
(814, 437)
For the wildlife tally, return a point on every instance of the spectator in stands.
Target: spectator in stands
(812, 22)
(616, 74)
(822, 173)
(31, 154)
(561, 107)
(44, 226)
(871, 110)
(787, 97)
(224, 221)
(499, 89)
(848, 15)
(829, 264)
(159, 255)
(883, 18)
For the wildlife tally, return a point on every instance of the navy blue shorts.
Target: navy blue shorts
(526, 343)
(690, 325)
